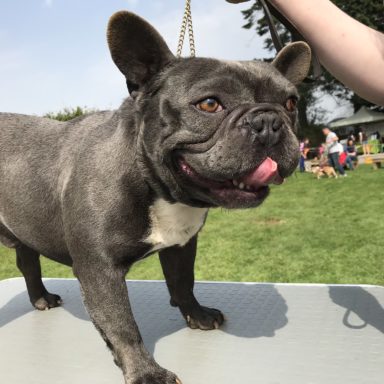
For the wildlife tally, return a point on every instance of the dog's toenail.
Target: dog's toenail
(216, 324)
(178, 381)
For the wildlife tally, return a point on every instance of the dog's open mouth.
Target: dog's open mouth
(246, 190)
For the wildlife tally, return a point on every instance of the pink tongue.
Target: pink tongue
(266, 173)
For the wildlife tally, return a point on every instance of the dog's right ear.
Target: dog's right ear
(294, 61)
(137, 48)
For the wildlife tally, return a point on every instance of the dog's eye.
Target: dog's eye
(210, 105)
(291, 104)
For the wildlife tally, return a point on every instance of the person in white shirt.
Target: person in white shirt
(332, 143)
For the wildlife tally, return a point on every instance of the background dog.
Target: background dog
(325, 170)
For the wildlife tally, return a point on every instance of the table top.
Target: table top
(274, 333)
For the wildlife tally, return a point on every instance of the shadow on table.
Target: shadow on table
(358, 301)
(20, 305)
(251, 310)
(17, 307)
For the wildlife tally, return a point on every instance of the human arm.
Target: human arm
(332, 138)
(351, 51)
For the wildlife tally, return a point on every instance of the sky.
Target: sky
(54, 54)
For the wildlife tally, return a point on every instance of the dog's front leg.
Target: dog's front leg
(178, 267)
(106, 299)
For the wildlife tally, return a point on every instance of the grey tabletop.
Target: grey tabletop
(274, 333)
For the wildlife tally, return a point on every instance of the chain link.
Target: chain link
(186, 23)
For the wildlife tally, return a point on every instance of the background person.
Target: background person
(331, 140)
(363, 138)
(321, 149)
(304, 149)
(352, 137)
(323, 156)
(352, 154)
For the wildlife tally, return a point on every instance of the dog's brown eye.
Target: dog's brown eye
(210, 105)
(290, 104)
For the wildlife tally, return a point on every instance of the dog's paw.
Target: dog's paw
(47, 301)
(204, 318)
(159, 377)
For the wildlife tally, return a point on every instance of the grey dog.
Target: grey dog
(104, 190)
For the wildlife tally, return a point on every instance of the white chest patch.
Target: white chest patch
(173, 224)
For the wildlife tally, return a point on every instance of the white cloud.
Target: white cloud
(48, 3)
(132, 3)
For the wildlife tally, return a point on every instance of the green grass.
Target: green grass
(308, 230)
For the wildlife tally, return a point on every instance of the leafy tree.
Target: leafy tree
(68, 113)
(369, 12)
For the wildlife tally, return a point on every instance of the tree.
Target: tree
(68, 113)
(369, 12)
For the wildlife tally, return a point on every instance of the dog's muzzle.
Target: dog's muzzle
(265, 123)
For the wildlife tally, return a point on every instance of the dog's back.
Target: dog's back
(36, 157)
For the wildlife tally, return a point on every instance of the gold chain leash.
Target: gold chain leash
(186, 23)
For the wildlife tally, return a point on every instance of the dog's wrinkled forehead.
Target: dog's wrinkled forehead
(244, 81)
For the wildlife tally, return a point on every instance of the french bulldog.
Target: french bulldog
(106, 189)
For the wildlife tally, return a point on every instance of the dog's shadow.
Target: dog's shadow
(361, 307)
(251, 310)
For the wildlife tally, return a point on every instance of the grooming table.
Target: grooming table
(274, 334)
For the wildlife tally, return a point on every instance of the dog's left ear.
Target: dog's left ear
(294, 61)
(137, 48)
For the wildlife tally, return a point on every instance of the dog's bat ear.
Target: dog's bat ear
(137, 48)
(294, 61)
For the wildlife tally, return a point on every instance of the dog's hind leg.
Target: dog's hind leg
(178, 267)
(28, 262)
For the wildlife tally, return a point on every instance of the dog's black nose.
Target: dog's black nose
(266, 127)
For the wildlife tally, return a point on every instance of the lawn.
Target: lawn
(308, 230)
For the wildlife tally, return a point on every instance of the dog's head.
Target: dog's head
(211, 132)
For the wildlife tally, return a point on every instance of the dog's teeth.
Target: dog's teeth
(241, 185)
(235, 183)
(247, 187)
